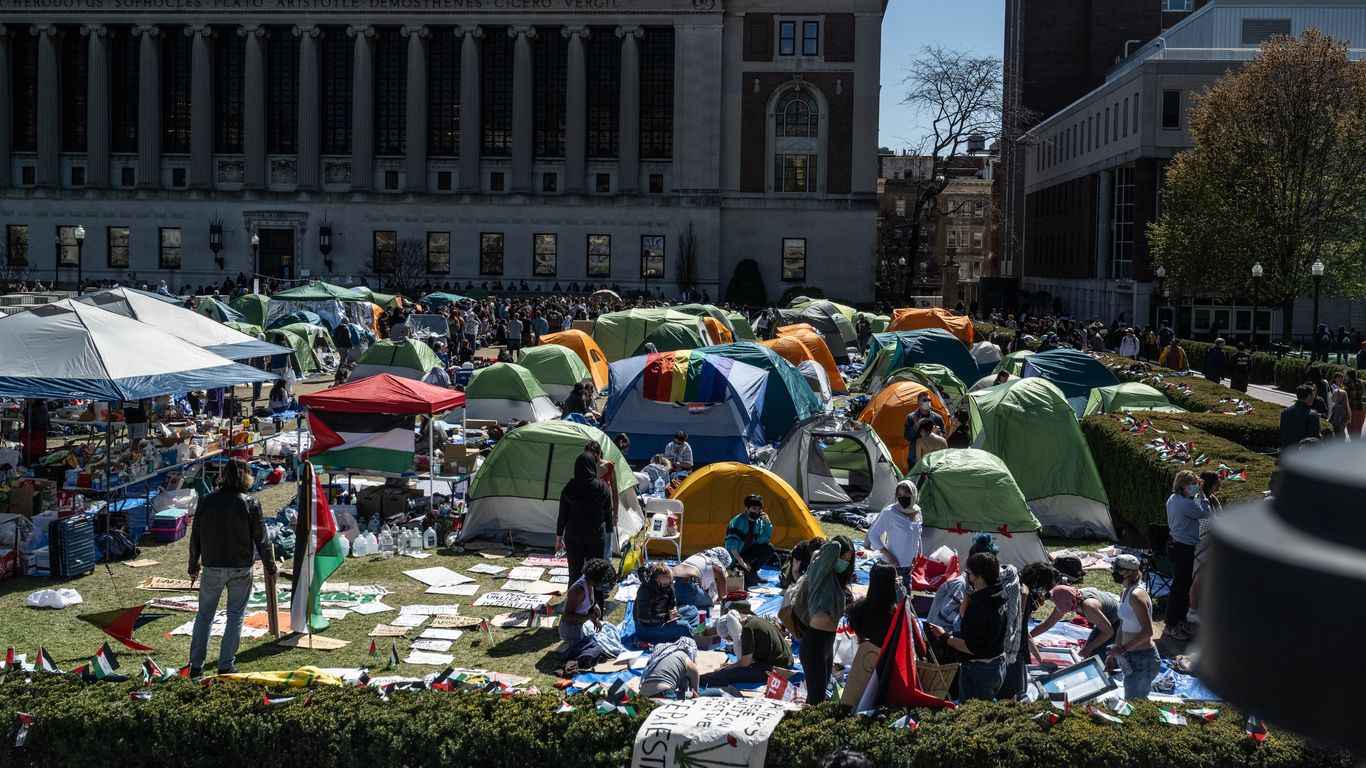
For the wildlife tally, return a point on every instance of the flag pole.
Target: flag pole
(272, 598)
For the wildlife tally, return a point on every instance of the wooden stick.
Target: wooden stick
(272, 599)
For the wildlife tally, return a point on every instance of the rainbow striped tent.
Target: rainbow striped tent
(716, 400)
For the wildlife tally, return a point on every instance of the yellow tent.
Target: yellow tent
(714, 494)
(587, 350)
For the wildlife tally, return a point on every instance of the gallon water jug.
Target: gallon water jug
(429, 538)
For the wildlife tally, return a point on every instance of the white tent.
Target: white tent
(987, 355)
(819, 382)
(832, 462)
(181, 323)
(69, 349)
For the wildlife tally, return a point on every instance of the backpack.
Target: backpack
(116, 545)
(1070, 568)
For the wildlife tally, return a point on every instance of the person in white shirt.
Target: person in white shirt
(472, 328)
(679, 453)
(896, 532)
(1128, 346)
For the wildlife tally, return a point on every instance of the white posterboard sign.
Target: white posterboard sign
(707, 731)
(514, 600)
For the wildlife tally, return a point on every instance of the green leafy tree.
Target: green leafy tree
(1277, 176)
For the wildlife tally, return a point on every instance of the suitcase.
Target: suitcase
(169, 526)
(71, 545)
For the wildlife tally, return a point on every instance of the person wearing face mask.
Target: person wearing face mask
(748, 539)
(820, 601)
(1186, 507)
(911, 430)
(659, 617)
(679, 453)
(896, 531)
(1134, 652)
(981, 636)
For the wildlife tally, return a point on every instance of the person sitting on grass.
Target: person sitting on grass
(659, 618)
(671, 672)
(582, 609)
(758, 645)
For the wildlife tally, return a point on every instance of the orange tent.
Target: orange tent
(911, 319)
(718, 332)
(588, 351)
(800, 342)
(888, 411)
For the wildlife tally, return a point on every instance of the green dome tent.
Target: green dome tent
(706, 310)
(407, 359)
(319, 291)
(517, 489)
(788, 399)
(303, 338)
(216, 310)
(507, 392)
(438, 299)
(297, 316)
(740, 326)
(878, 323)
(1031, 427)
(255, 331)
(1014, 362)
(253, 307)
(933, 375)
(557, 368)
(966, 491)
(621, 333)
(672, 337)
(1129, 396)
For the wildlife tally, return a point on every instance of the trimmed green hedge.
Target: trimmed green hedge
(1139, 482)
(227, 724)
(1281, 372)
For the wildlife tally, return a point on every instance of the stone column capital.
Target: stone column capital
(309, 30)
(203, 30)
(97, 30)
(633, 31)
(528, 32)
(251, 30)
(475, 31)
(360, 30)
(576, 31)
(414, 29)
(39, 30)
(146, 30)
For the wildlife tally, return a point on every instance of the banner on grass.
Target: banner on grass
(710, 731)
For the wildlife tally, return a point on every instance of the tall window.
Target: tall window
(496, 97)
(439, 253)
(176, 56)
(657, 94)
(391, 91)
(604, 92)
(794, 259)
(443, 94)
(68, 253)
(384, 245)
(491, 253)
(550, 56)
(170, 247)
(543, 255)
(117, 244)
(599, 255)
(75, 54)
(1136, 109)
(24, 101)
(16, 245)
(811, 38)
(787, 38)
(282, 91)
(652, 256)
(1171, 110)
(229, 82)
(796, 122)
(1122, 223)
(123, 85)
(338, 73)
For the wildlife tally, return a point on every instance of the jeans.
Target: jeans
(981, 679)
(757, 555)
(817, 653)
(212, 582)
(754, 673)
(689, 592)
(1143, 667)
(663, 633)
(1183, 573)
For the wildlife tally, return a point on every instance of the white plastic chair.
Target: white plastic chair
(668, 507)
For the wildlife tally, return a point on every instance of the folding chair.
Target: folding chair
(1158, 571)
(668, 507)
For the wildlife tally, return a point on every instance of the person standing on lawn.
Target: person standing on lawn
(583, 527)
(1239, 369)
(896, 531)
(1134, 652)
(982, 633)
(227, 530)
(1186, 507)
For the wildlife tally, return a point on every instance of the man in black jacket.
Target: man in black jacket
(1300, 420)
(227, 529)
(1214, 364)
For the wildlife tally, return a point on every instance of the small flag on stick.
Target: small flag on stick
(23, 720)
(45, 662)
(393, 654)
(1255, 728)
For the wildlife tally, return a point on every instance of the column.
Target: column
(471, 125)
(49, 171)
(415, 140)
(628, 135)
(523, 108)
(310, 108)
(96, 107)
(254, 108)
(362, 109)
(732, 93)
(149, 108)
(201, 107)
(698, 51)
(575, 110)
(867, 90)
(6, 98)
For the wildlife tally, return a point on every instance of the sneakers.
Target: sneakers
(1178, 632)
(229, 671)
(196, 672)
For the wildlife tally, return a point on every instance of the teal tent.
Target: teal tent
(903, 349)
(1075, 373)
(298, 316)
(787, 397)
(438, 299)
(216, 310)
(933, 375)
(319, 291)
(253, 307)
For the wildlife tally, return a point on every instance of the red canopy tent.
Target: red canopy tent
(385, 393)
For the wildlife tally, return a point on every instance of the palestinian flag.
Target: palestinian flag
(1255, 728)
(376, 441)
(45, 662)
(141, 695)
(1101, 715)
(23, 720)
(563, 708)
(317, 555)
(153, 673)
(364, 679)
(104, 663)
(485, 628)
(374, 650)
(1206, 714)
(270, 701)
(10, 663)
(1171, 717)
(393, 654)
(184, 672)
(904, 723)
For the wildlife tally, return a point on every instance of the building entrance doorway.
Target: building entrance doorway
(277, 253)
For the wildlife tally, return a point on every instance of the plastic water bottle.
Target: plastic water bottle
(659, 487)
(345, 545)
(371, 543)
(374, 523)
(386, 542)
(359, 547)
(429, 538)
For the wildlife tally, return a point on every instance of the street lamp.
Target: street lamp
(1316, 269)
(1161, 274)
(901, 267)
(216, 241)
(80, 246)
(325, 245)
(255, 263)
(1256, 298)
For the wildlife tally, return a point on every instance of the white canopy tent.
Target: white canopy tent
(182, 323)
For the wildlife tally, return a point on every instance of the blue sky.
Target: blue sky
(973, 25)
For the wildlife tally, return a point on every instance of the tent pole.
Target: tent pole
(431, 468)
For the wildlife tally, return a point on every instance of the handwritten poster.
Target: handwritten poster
(710, 731)
(514, 600)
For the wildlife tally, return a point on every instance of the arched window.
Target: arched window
(797, 116)
(797, 141)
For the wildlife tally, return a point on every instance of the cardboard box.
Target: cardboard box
(734, 584)
(22, 501)
(458, 459)
(584, 325)
(480, 423)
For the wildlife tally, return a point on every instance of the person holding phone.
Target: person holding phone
(1186, 507)
(749, 538)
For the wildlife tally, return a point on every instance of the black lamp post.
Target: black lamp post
(325, 245)
(255, 263)
(1161, 274)
(80, 247)
(1316, 269)
(216, 242)
(1256, 298)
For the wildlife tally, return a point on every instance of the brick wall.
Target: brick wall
(835, 165)
(759, 37)
(839, 37)
(1060, 230)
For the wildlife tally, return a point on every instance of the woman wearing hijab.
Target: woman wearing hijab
(819, 603)
(584, 524)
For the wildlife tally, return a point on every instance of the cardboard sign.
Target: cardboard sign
(455, 622)
(486, 569)
(526, 573)
(163, 584)
(386, 630)
(514, 600)
(314, 642)
(707, 731)
(521, 619)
